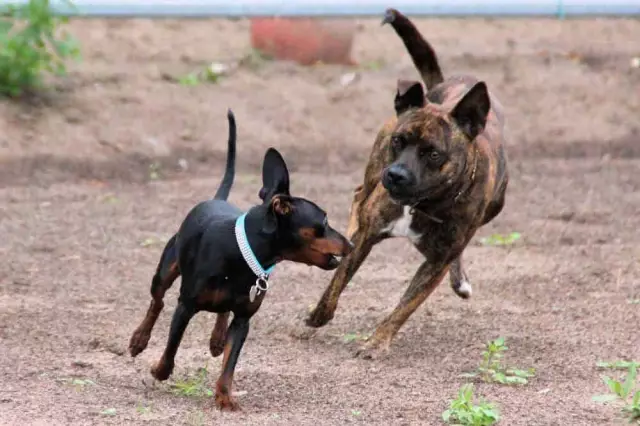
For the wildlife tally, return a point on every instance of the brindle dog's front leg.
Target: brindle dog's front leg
(326, 307)
(426, 279)
(354, 213)
(364, 232)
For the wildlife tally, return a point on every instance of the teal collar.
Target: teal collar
(262, 281)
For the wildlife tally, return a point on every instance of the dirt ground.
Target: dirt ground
(94, 177)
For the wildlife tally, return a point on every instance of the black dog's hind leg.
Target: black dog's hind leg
(219, 334)
(166, 273)
(181, 317)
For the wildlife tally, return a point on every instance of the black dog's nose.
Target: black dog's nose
(398, 176)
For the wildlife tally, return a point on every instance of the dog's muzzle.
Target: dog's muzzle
(398, 180)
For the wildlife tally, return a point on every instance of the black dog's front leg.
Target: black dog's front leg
(181, 317)
(236, 335)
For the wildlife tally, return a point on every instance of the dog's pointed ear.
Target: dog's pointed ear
(279, 206)
(471, 112)
(409, 94)
(275, 176)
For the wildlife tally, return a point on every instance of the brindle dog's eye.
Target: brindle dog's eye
(434, 156)
(397, 142)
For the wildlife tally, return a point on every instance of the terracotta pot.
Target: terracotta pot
(304, 40)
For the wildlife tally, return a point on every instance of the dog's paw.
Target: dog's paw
(138, 342)
(161, 371)
(216, 345)
(225, 403)
(463, 289)
(318, 318)
(373, 350)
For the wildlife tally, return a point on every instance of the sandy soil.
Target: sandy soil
(82, 223)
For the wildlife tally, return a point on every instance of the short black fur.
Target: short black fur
(215, 276)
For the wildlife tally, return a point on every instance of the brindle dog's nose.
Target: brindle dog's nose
(398, 176)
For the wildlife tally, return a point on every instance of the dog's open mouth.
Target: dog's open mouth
(334, 261)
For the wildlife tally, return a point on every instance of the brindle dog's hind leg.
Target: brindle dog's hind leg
(166, 273)
(458, 278)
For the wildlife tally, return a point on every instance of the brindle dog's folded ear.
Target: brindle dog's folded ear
(472, 110)
(275, 176)
(410, 94)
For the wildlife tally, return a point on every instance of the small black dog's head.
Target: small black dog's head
(429, 146)
(302, 227)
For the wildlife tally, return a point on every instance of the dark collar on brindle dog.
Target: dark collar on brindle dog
(438, 204)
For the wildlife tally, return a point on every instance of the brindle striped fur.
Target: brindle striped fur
(471, 187)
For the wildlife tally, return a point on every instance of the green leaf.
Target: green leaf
(630, 381)
(604, 398)
(521, 373)
(500, 240)
(636, 398)
(109, 412)
(515, 380)
(446, 415)
(189, 80)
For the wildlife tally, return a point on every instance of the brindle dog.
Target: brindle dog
(437, 172)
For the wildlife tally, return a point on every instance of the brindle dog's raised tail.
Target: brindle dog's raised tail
(421, 52)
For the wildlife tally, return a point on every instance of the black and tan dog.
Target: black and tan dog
(437, 172)
(225, 257)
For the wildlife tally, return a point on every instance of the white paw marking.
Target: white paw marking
(401, 227)
(465, 288)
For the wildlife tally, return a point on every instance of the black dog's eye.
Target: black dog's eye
(322, 229)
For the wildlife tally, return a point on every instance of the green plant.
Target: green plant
(30, 46)
(352, 337)
(623, 393)
(463, 411)
(142, 409)
(109, 412)
(500, 240)
(492, 370)
(617, 365)
(193, 387)
(78, 384)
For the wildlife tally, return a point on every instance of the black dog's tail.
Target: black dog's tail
(421, 52)
(230, 168)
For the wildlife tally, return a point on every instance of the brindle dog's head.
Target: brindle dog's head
(303, 231)
(430, 146)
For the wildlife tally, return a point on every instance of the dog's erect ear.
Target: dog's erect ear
(410, 94)
(472, 110)
(275, 176)
(280, 205)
